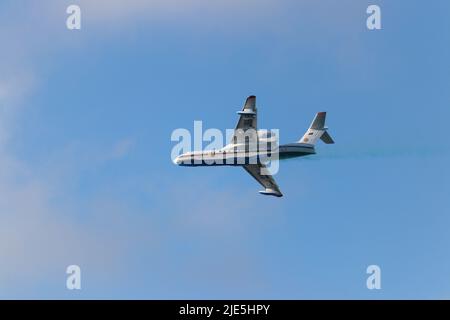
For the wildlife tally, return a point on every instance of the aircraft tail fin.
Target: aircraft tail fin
(317, 130)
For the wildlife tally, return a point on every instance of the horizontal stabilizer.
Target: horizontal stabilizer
(326, 138)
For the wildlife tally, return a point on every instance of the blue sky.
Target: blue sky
(85, 123)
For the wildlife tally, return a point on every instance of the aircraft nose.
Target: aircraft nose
(177, 160)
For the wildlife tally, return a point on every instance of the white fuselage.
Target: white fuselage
(238, 155)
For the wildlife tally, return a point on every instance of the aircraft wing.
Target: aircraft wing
(267, 181)
(247, 120)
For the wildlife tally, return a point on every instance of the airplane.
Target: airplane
(247, 148)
